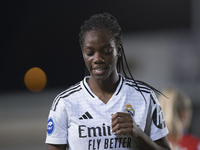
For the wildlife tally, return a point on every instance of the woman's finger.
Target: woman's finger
(120, 115)
(122, 126)
(126, 131)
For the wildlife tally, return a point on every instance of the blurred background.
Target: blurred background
(161, 41)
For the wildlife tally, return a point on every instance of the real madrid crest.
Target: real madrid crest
(129, 109)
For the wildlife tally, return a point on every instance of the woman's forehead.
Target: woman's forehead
(97, 36)
(98, 32)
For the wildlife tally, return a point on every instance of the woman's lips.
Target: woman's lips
(99, 70)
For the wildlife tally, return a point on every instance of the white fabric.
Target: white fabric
(67, 124)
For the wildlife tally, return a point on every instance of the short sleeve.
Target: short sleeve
(155, 125)
(57, 125)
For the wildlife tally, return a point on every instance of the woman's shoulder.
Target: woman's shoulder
(66, 95)
(70, 90)
(138, 85)
(142, 86)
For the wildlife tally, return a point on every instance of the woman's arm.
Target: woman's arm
(123, 123)
(56, 147)
(146, 143)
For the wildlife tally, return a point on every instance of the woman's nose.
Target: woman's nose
(98, 58)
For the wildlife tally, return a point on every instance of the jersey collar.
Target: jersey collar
(89, 91)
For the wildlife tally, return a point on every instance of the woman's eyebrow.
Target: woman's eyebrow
(106, 45)
(88, 47)
(101, 47)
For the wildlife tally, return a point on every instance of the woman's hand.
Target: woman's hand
(123, 123)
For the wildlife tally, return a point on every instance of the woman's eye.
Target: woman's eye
(108, 51)
(89, 53)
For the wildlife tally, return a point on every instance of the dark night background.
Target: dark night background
(44, 34)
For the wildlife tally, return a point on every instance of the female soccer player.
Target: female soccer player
(107, 110)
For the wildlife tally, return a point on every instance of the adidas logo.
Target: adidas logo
(86, 116)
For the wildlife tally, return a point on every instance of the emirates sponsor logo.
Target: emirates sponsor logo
(109, 142)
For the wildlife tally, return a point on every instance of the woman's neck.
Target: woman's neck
(107, 85)
(104, 89)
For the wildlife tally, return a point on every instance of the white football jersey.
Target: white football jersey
(81, 120)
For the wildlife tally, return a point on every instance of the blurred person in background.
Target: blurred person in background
(178, 114)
